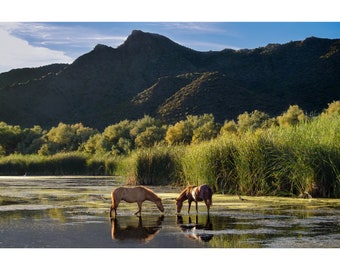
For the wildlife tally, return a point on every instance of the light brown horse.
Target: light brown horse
(195, 194)
(137, 194)
(126, 228)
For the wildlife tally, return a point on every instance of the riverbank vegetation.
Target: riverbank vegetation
(254, 155)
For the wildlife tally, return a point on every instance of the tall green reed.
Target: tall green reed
(275, 161)
(155, 166)
(72, 163)
(254, 164)
(307, 157)
(210, 163)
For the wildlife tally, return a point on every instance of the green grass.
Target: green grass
(283, 161)
(153, 166)
(72, 163)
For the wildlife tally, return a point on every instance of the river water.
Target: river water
(73, 212)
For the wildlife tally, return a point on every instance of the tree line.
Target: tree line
(285, 155)
(128, 135)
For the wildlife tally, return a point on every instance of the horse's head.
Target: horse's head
(179, 204)
(160, 205)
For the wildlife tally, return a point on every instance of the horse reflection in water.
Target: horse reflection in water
(135, 230)
(195, 230)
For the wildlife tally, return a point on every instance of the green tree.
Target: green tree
(31, 140)
(150, 136)
(65, 138)
(142, 124)
(333, 108)
(197, 128)
(229, 127)
(293, 116)
(252, 121)
(179, 133)
(117, 139)
(93, 145)
(2, 151)
(10, 137)
(205, 132)
(198, 121)
(122, 147)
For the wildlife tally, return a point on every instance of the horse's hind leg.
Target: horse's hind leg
(111, 208)
(114, 203)
(207, 203)
(189, 206)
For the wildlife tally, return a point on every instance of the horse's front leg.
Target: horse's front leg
(196, 206)
(111, 209)
(139, 208)
(114, 206)
(189, 201)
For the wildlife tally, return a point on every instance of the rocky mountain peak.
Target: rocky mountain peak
(150, 74)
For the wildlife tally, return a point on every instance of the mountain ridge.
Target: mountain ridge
(151, 74)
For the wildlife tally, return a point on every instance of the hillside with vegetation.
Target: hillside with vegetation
(291, 154)
(151, 75)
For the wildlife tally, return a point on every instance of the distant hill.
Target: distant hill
(150, 74)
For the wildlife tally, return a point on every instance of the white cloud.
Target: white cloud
(71, 34)
(198, 27)
(18, 53)
(209, 46)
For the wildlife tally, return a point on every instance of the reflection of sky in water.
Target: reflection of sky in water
(73, 212)
(320, 241)
(17, 207)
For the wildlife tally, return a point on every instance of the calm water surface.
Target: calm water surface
(73, 212)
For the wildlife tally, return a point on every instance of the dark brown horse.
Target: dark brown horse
(195, 194)
(196, 230)
(137, 194)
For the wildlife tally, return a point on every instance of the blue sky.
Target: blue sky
(32, 41)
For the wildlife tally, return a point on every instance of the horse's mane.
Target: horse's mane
(151, 192)
(185, 192)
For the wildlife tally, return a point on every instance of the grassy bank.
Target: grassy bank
(284, 161)
(279, 160)
(74, 163)
(154, 166)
